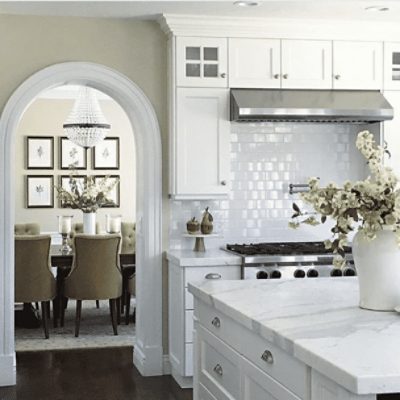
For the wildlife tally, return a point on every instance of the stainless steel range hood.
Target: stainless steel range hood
(349, 106)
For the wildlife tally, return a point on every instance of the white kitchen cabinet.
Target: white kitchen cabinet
(306, 64)
(201, 144)
(254, 63)
(201, 62)
(391, 66)
(357, 65)
(391, 132)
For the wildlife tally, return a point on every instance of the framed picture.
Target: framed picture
(114, 195)
(40, 152)
(72, 156)
(106, 154)
(64, 183)
(40, 191)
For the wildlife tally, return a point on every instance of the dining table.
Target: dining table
(63, 262)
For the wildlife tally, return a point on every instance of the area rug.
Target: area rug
(95, 331)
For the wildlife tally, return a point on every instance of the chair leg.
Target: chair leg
(78, 316)
(113, 304)
(45, 318)
(37, 306)
(61, 311)
(55, 317)
(127, 306)
(118, 301)
(97, 303)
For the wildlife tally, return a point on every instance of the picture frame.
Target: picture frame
(40, 152)
(40, 191)
(115, 193)
(64, 182)
(106, 154)
(71, 155)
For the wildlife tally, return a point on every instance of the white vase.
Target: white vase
(378, 268)
(89, 223)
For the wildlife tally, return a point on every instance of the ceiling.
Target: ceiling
(317, 9)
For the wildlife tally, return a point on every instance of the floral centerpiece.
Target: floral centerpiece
(370, 207)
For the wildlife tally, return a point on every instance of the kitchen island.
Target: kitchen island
(292, 339)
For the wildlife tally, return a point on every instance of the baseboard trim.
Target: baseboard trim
(185, 382)
(166, 365)
(8, 370)
(148, 362)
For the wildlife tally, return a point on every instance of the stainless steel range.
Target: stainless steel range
(289, 260)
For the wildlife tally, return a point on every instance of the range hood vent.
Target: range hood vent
(346, 106)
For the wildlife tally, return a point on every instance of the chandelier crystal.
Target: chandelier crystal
(86, 125)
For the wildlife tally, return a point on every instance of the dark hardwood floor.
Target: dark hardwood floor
(97, 374)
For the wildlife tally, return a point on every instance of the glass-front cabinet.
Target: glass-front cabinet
(201, 62)
(392, 66)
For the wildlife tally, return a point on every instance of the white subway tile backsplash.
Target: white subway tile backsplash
(265, 159)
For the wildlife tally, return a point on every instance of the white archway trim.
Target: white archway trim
(148, 348)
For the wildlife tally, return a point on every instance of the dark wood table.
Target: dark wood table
(63, 263)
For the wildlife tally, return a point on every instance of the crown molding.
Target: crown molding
(209, 26)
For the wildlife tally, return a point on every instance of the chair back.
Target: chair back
(27, 229)
(128, 233)
(95, 273)
(77, 228)
(33, 278)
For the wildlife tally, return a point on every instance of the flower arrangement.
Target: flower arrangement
(366, 206)
(86, 193)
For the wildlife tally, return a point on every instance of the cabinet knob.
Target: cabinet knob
(223, 75)
(267, 357)
(285, 76)
(223, 183)
(218, 370)
(276, 76)
(213, 276)
(216, 322)
(337, 77)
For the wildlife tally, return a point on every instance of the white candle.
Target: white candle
(113, 224)
(65, 225)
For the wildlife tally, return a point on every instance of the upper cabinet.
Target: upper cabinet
(392, 66)
(357, 65)
(201, 62)
(254, 63)
(306, 64)
(274, 63)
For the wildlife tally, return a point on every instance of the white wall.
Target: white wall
(45, 117)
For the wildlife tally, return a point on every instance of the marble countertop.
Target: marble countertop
(319, 322)
(213, 257)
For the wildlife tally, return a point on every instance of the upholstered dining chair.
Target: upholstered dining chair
(128, 234)
(130, 291)
(95, 275)
(27, 229)
(34, 281)
(77, 227)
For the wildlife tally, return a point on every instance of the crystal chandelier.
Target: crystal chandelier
(86, 125)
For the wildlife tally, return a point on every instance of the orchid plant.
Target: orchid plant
(87, 193)
(365, 206)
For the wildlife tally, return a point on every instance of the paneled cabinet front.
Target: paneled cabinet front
(201, 144)
(392, 66)
(357, 65)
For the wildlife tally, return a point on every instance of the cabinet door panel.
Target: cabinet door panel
(391, 132)
(391, 66)
(306, 64)
(202, 143)
(357, 65)
(201, 62)
(254, 63)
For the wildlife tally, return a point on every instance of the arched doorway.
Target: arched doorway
(148, 348)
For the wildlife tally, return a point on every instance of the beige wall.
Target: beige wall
(137, 49)
(45, 117)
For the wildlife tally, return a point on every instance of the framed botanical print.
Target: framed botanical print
(114, 195)
(106, 154)
(72, 156)
(40, 152)
(66, 184)
(40, 191)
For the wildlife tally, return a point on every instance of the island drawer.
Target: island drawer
(264, 354)
(220, 272)
(204, 394)
(219, 369)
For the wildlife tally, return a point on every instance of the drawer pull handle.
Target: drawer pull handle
(213, 276)
(267, 357)
(218, 370)
(216, 322)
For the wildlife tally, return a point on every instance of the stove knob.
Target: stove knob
(262, 275)
(299, 273)
(276, 274)
(349, 272)
(312, 273)
(336, 272)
